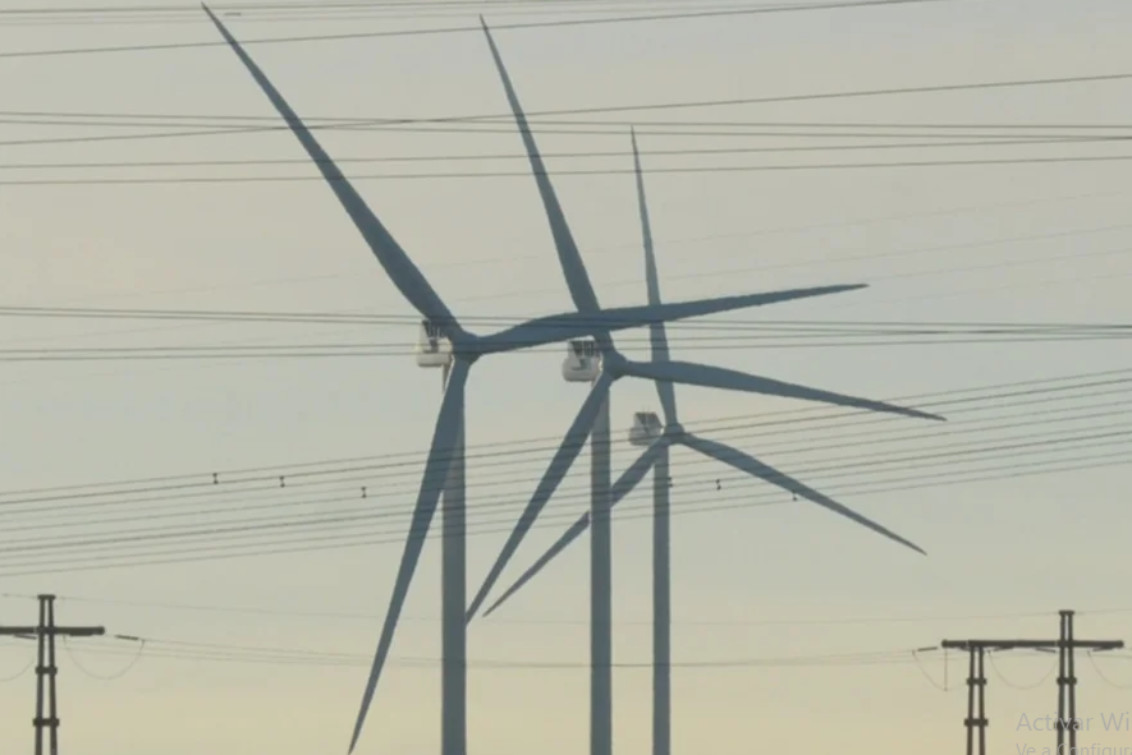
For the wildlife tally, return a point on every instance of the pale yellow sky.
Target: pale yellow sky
(965, 251)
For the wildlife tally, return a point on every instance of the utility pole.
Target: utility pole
(46, 669)
(976, 699)
(1066, 686)
(1066, 681)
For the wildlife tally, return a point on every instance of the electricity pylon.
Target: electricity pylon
(46, 670)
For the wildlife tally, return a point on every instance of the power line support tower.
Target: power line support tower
(1066, 687)
(976, 700)
(46, 669)
(1065, 644)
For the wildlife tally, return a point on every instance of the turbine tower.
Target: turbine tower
(443, 333)
(433, 350)
(657, 439)
(592, 421)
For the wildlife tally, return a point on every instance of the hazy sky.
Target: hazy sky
(1019, 243)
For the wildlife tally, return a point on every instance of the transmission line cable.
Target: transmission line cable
(72, 514)
(994, 666)
(219, 652)
(1104, 677)
(924, 671)
(777, 424)
(789, 421)
(439, 31)
(419, 124)
(312, 542)
(839, 620)
(200, 180)
(584, 155)
(101, 677)
(849, 466)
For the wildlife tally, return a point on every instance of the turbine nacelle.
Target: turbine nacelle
(434, 349)
(646, 429)
(583, 361)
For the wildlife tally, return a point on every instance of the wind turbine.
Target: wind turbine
(648, 431)
(445, 342)
(592, 420)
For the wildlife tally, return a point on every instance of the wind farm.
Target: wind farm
(466, 349)
(884, 294)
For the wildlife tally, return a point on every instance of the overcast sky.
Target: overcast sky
(1020, 243)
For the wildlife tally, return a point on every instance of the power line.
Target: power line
(488, 128)
(341, 521)
(68, 515)
(347, 519)
(242, 8)
(189, 180)
(776, 423)
(274, 612)
(253, 11)
(103, 677)
(367, 318)
(871, 129)
(521, 453)
(1010, 447)
(342, 11)
(224, 653)
(709, 330)
(869, 462)
(812, 227)
(612, 130)
(361, 12)
(500, 474)
(493, 124)
(375, 350)
(225, 7)
(440, 31)
(1102, 675)
(714, 151)
(238, 528)
(318, 537)
(1008, 683)
(183, 649)
(467, 123)
(820, 327)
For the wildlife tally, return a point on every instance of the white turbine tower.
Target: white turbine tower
(648, 431)
(434, 350)
(444, 342)
(592, 421)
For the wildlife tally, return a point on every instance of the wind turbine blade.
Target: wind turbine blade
(651, 280)
(581, 290)
(436, 471)
(636, 472)
(752, 466)
(577, 529)
(659, 337)
(625, 483)
(718, 377)
(401, 270)
(560, 464)
(555, 328)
